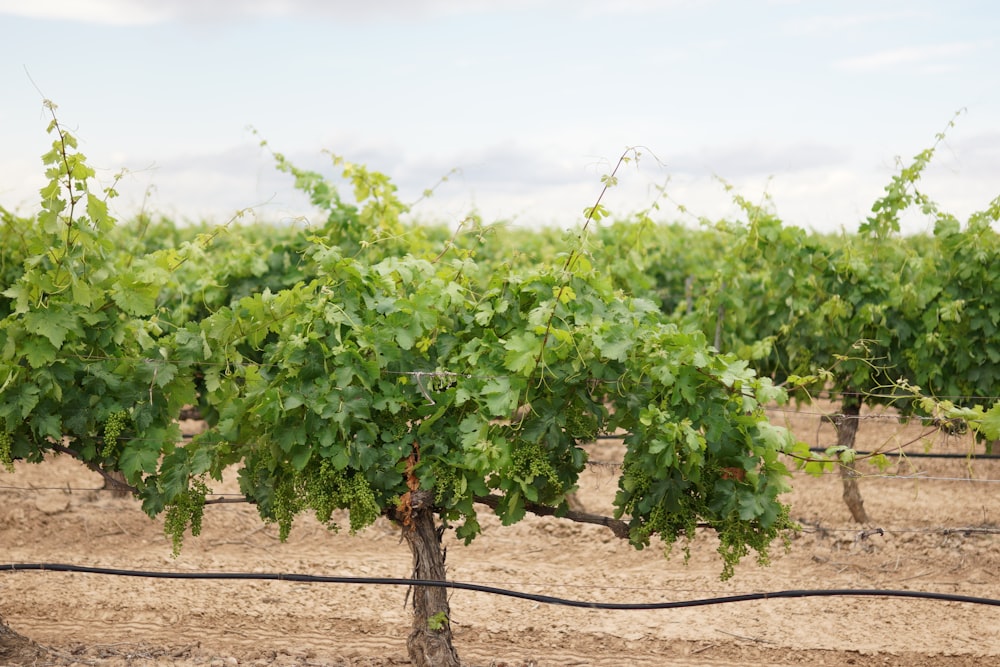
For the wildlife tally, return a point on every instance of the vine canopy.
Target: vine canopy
(373, 379)
(375, 375)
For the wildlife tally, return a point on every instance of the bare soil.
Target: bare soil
(938, 533)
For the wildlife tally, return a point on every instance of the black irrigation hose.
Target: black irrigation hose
(546, 599)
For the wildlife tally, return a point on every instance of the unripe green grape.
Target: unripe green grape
(363, 505)
(187, 511)
(113, 427)
(581, 424)
(529, 460)
(286, 505)
(6, 459)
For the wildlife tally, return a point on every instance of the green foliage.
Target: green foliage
(332, 388)
(13, 252)
(901, 193)
(79, 352)
(699, 450)
(371, 225)
(956, 350)
(437, 622)
(860, 316)
(342, 366)
(984, 421)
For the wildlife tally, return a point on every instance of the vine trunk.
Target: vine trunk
(847, 431)
(18, 650)
(430, 642)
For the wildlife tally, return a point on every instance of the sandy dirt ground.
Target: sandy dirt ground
(938, 533)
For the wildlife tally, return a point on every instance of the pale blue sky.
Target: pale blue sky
(810, 101)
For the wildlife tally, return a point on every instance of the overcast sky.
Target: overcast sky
(808, 101)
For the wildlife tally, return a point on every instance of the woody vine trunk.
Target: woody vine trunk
(430, 642)
(18, 650)
(847, 431)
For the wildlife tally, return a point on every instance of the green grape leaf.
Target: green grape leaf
(522, 352)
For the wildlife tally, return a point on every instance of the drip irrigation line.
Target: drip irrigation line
(545, 599)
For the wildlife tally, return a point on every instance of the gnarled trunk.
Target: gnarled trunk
(114, 481)
(847, 431)
(429, 644)
(18, 650)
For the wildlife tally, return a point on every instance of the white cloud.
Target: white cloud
(626, 7)
(758, 159)
(129, 12)
(935, 56)
(107, 12)
(979, 153)
(824, 24)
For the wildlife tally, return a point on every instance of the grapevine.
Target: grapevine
(321, 358)
(312, 399)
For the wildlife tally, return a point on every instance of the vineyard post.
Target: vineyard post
(689, 294)
(720, 314)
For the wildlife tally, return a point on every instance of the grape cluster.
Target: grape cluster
(737, 538)
(113, 427)
(393, 428)
(6, 459)
(186, 510)
(447, 483)
(360, 499)
(529, 460)
(581, 424)
(677, 518)
(320, 491)
(326, 489)
(285, 505)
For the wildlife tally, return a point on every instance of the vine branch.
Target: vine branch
(617, 526)
(116, 483)
(593, 213)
